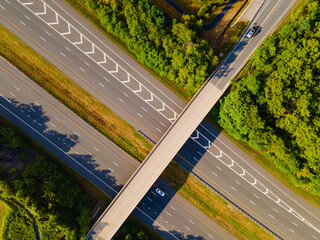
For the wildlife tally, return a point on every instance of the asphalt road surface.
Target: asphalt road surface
(84, 149)
(45, 39)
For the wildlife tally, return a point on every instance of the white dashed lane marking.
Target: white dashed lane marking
(291, 230)
(233, 188)
(252, 202)
(271, 216)
(106, 79)
(214, 173)
(173, 208)
(210, 236)
(12, 94)
(17, 89)
(168, 213)
(187, 228)
(191, 222)
(295, 224)
(22, 23)
(68, 49)
(82, 69)
(275, 210)
(125, 94)
(47, 33)
(140, 115)
(256, 196)
(62, 54)
(52, 125)
(149, 199)
(237, 182)
(101, 84)
(27, 17)
(57, 119)
(87, 64)
(2, 7)
(218, 168)
(116, 164)
(120, 100)
(43, 39)
(144, 109)
(158, 130)
(96, 149)
(162, 124)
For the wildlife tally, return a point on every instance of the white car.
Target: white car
(160, 192)
(252, 31)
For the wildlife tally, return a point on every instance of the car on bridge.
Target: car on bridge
(252, 31)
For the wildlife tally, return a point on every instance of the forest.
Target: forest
(57, 202)
(170, 47)
(274, 104)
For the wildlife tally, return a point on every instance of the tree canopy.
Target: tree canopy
(169, 47)
(275, 105)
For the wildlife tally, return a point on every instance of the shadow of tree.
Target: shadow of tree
(34, 121)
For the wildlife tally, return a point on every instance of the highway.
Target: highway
(96, 158)
(206, 164)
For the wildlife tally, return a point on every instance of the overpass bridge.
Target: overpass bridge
(140, 182)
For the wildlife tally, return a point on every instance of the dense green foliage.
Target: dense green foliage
(275, 105)
(169, 47)
(57, 200)
(18, 224)
(58, 203)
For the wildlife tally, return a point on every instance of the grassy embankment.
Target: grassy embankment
(195, 187)
(15, 222)
(72, 95)
(4, 211)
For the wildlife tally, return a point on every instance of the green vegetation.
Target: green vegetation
(34, 189)
(212, 204)
(273, 105)
(169, 47)
(18, 224)
(58, 203)
(201, 8)
(72, 95)
(4, 211)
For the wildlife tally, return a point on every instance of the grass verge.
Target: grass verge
(78, 5)
(4, 211)
(18, 225)
(72, 95)
(210, 203)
